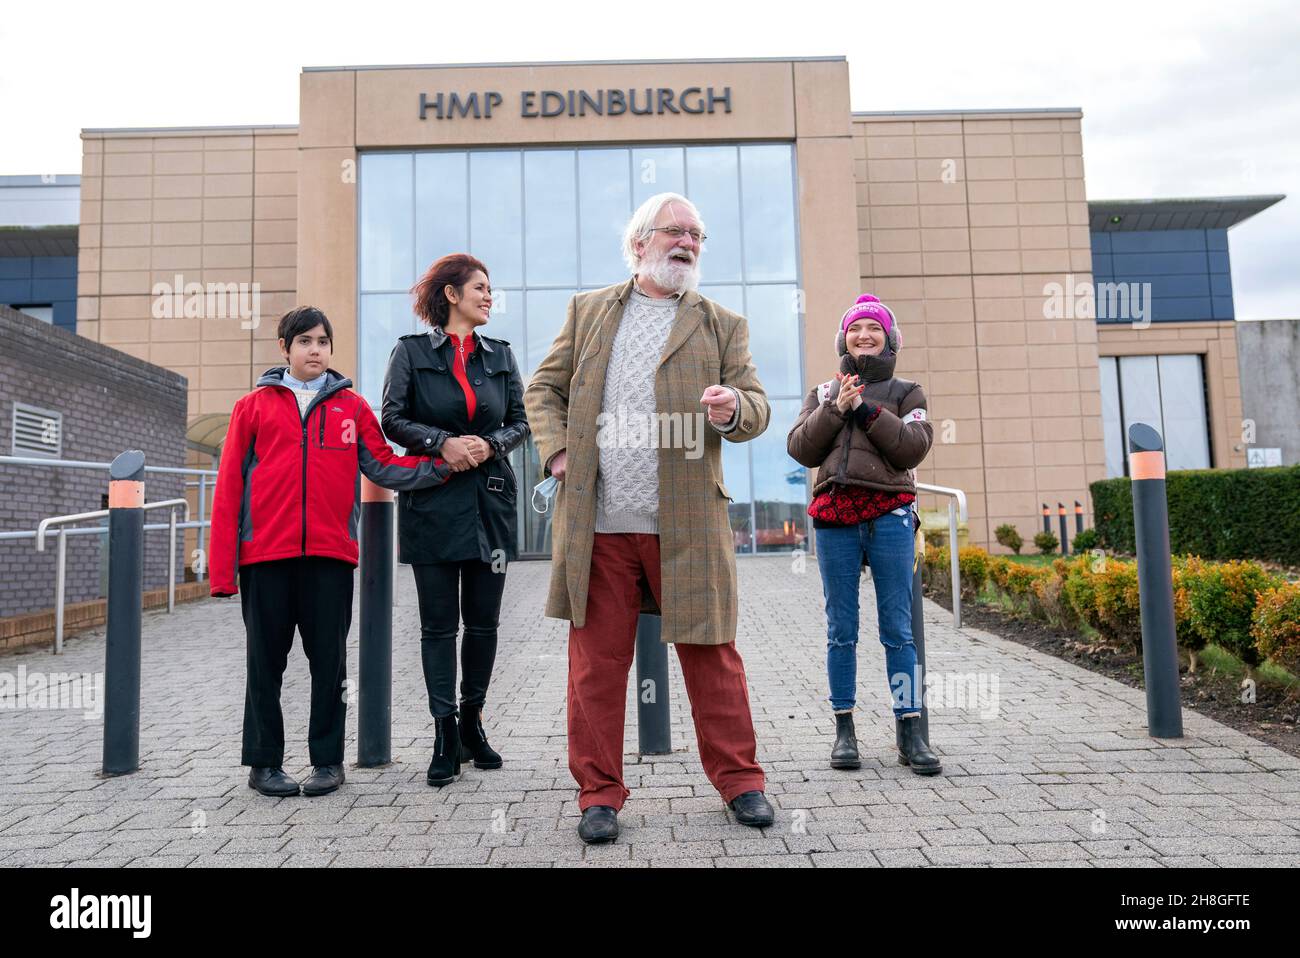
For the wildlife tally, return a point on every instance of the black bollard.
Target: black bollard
(125, 598)
(1078, 518)
(375, 652)
(1155, 581)
(918, 639)
(1065, 542)
(1047, 518)
(654, 723)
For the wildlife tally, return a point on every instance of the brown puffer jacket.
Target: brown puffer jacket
(878, 457)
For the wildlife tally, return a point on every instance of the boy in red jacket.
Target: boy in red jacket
(284, 523)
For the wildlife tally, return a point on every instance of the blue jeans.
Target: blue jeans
(888, 544)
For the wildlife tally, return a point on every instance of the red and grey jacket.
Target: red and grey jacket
(290, 485)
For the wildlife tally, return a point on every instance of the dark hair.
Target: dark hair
(454, 269)
(300, 319)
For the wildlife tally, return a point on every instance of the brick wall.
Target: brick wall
(110, 402)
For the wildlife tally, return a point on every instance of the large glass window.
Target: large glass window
(1166, 392)
(549, 223)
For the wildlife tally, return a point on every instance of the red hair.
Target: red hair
(430, 292)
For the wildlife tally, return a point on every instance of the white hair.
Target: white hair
(639, 226)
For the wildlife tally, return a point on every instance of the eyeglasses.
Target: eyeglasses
(676, 233)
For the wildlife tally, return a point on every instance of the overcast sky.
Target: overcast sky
(1189, 99)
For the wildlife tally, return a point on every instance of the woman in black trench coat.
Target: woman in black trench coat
(457, 394)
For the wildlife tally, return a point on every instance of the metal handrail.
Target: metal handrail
(203, 474)
(956, 505)
(87, 464)
(61, 564)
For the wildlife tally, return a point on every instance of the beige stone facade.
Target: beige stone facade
(964, 221)
(960, 221)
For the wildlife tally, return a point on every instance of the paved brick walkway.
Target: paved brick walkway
(1061, 772)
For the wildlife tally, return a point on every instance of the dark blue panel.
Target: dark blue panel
(1146, 265)
(1177, 309)
(1158, 241)
(49, 290)
(15, 291)
(1219, 262)
(1221, 284)
(1223, 308)
(1102, 265)
(1100, 243)
(54, 267)
(15, 267)
(65, 315)
(1216, 239)
(1165, 286)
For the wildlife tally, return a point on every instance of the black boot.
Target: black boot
(844, 753)
(473, 740)
(912, 747)
(445, 764)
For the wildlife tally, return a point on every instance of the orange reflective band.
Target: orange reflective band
(1146, 465)
(125, 494)
(373, 493)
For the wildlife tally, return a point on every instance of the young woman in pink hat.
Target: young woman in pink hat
(864, 432)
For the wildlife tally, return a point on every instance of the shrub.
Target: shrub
(1009, 536)
(1116, 601)
(973, 563)
(935, 572)
(1085, 540)
(1222, 604)
(1217, 514)
(1046, 542)
(1021, 579)
(998, 570)
(1078, 596)
(1276, 625)
(1188, 573)
(1048, 600)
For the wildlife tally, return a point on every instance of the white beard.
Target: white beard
(669, 274)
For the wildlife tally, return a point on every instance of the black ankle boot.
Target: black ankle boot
(913, 750)
(445, 764)
(473, 740)
(844, 753)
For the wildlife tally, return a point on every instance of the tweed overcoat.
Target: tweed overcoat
(707, 345)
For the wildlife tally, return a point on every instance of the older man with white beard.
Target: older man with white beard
(643, 526)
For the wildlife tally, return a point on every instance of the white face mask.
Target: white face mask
(545, 489)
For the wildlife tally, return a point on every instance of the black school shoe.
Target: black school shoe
(752, 809)
(272, 782)
(324, 779)
(599, 825)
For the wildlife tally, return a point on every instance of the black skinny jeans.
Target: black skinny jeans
(448, 591)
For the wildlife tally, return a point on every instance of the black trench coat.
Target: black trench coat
(473, 514)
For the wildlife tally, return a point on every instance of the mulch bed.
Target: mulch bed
(1271, 718)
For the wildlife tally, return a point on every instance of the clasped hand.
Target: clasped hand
(465, 452)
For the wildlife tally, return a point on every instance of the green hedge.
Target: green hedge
(1213, 513)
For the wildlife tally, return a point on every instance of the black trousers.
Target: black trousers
(313, 595)
(448, 591)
